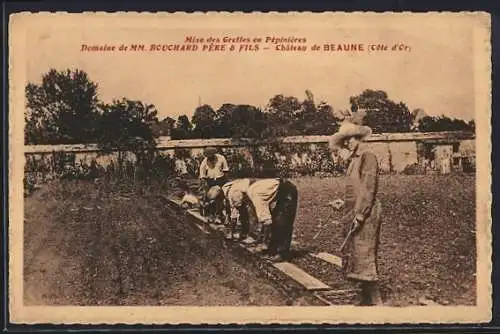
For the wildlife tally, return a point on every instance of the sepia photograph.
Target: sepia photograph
(249, 168)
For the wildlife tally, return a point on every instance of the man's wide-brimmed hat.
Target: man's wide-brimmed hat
(210, 151)
(348, 130)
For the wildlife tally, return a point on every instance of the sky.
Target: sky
(436, 75)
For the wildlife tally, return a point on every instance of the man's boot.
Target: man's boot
(259, 236)
(262, 236)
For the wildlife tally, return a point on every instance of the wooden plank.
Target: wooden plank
(194, 214)
(309, 282)
(330, 258)
(337, 297)
(202, 228)
(322, 299)
(197, 215)
(217, 227)
(340, 292)
(175, 201)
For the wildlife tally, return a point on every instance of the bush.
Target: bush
(193, 165)
(277, 159)
(163, 166)
(414, 169)
(29, 184)
(239, 164)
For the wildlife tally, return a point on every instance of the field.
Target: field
(427, 249)
(117, 244)
(114, 243)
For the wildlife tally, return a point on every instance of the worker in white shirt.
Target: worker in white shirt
(213, 168)
(274, 202)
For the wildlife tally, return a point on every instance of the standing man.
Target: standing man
(362, 211)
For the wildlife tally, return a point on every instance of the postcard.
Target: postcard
(249, 168)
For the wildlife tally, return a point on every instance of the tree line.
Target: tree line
(65, 108)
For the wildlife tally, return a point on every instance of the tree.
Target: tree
(239, 121)
(163, 127)
(285, 107)
(204, 121)
(223, 127)
(62, 109)
(382, 114)
(182, 129)
(247, 122)
(472, 125)
(417, 115)
(126, 126)
(443, 123)
(315, 119)
(281, 113)
(287, 116)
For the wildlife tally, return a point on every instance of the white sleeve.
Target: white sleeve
(225, 166)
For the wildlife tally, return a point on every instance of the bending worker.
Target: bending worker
(213, 171)
(362, 211)
(274, 203)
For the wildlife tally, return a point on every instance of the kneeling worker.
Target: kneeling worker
(213, 205)
(213, 170)
(274, 202)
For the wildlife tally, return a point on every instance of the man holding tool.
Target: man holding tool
(362, 211)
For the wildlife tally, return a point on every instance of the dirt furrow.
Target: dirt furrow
(95, 246)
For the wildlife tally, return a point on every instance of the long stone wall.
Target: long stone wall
(164, 143)
(395, 151)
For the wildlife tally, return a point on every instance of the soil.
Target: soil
(427, 241)
(117, 244)
(111, 244)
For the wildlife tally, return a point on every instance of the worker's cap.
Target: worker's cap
(210, 151)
